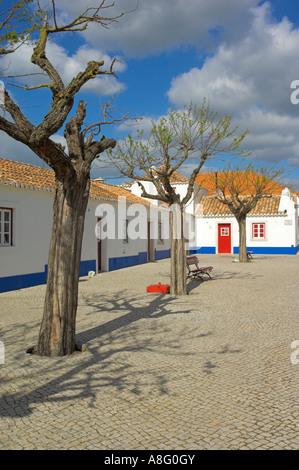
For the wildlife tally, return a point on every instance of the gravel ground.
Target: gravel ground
(211, 370)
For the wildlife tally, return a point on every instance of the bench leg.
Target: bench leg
(197, 276)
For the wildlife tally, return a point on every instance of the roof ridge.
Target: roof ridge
(44, 178)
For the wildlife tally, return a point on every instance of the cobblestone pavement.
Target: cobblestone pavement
(211, 370)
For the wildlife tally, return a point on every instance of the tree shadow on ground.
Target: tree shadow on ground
(129, 311)
(192, 283)
(236, 275)
(109, 361)
(82, 375)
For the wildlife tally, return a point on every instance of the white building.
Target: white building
(272, 227)
(139, 227)
(179, 184)
(26, 208)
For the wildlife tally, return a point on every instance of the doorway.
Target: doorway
(224, 238)
(99, 245)
(150, 248)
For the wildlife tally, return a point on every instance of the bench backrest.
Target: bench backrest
(191, 260)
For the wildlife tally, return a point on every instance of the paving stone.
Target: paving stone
(208, 371)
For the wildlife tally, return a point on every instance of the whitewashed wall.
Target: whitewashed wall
(281, 232)
(25, 263)
(32, 222)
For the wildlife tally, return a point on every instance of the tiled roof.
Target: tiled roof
(176, 177)
(33, 177)
(245, 179)
(109, 191)
(211, 206)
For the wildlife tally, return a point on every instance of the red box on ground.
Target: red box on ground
(164, 288)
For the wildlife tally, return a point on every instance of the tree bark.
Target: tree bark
(178, 255)
(242, 240)
(57, 332)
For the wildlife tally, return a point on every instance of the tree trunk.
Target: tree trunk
(178, 255)
(242, 240)
(57, 332)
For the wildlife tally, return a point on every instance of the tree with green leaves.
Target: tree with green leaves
(18, 22)
(71, 166)
(241, 188)
(194, 134)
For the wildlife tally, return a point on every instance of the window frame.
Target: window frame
(126, 232)
(2, 222)
(258, 237)
(160, 233)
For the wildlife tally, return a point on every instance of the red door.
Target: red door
(224, 238)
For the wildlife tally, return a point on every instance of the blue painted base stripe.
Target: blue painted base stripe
(127, 261)
(85, 266)
(209, 250)
(22, 281)
(263, 250)
(162, 254)
(270, 250)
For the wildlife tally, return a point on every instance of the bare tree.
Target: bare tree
(72, 173)
(242, 187)
(196, 133)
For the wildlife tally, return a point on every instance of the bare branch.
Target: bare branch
(22, 75)
(90, 15)
(54, 13)
(39, 58)
(108, 118)
(28, 88)
(12, 130)
(20, 120)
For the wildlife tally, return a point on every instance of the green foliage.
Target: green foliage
(194, 133)
(18, 23)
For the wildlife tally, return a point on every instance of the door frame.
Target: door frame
(230, 236)
(99, 251)
(150, 244)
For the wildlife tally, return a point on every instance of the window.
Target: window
(160, 237)
(125, 231)
(224, 231)
(258, 231)
(5, 227)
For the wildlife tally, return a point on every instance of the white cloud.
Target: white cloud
(255, 71)
(162, 25)
(251, 80)
(272, 136)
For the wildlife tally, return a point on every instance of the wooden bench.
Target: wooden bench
(194, 270)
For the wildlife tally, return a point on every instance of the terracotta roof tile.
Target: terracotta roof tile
(210, 206)
(100, 190)
(208, 180)
(30, 176)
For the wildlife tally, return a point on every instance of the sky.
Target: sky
(241, 55)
